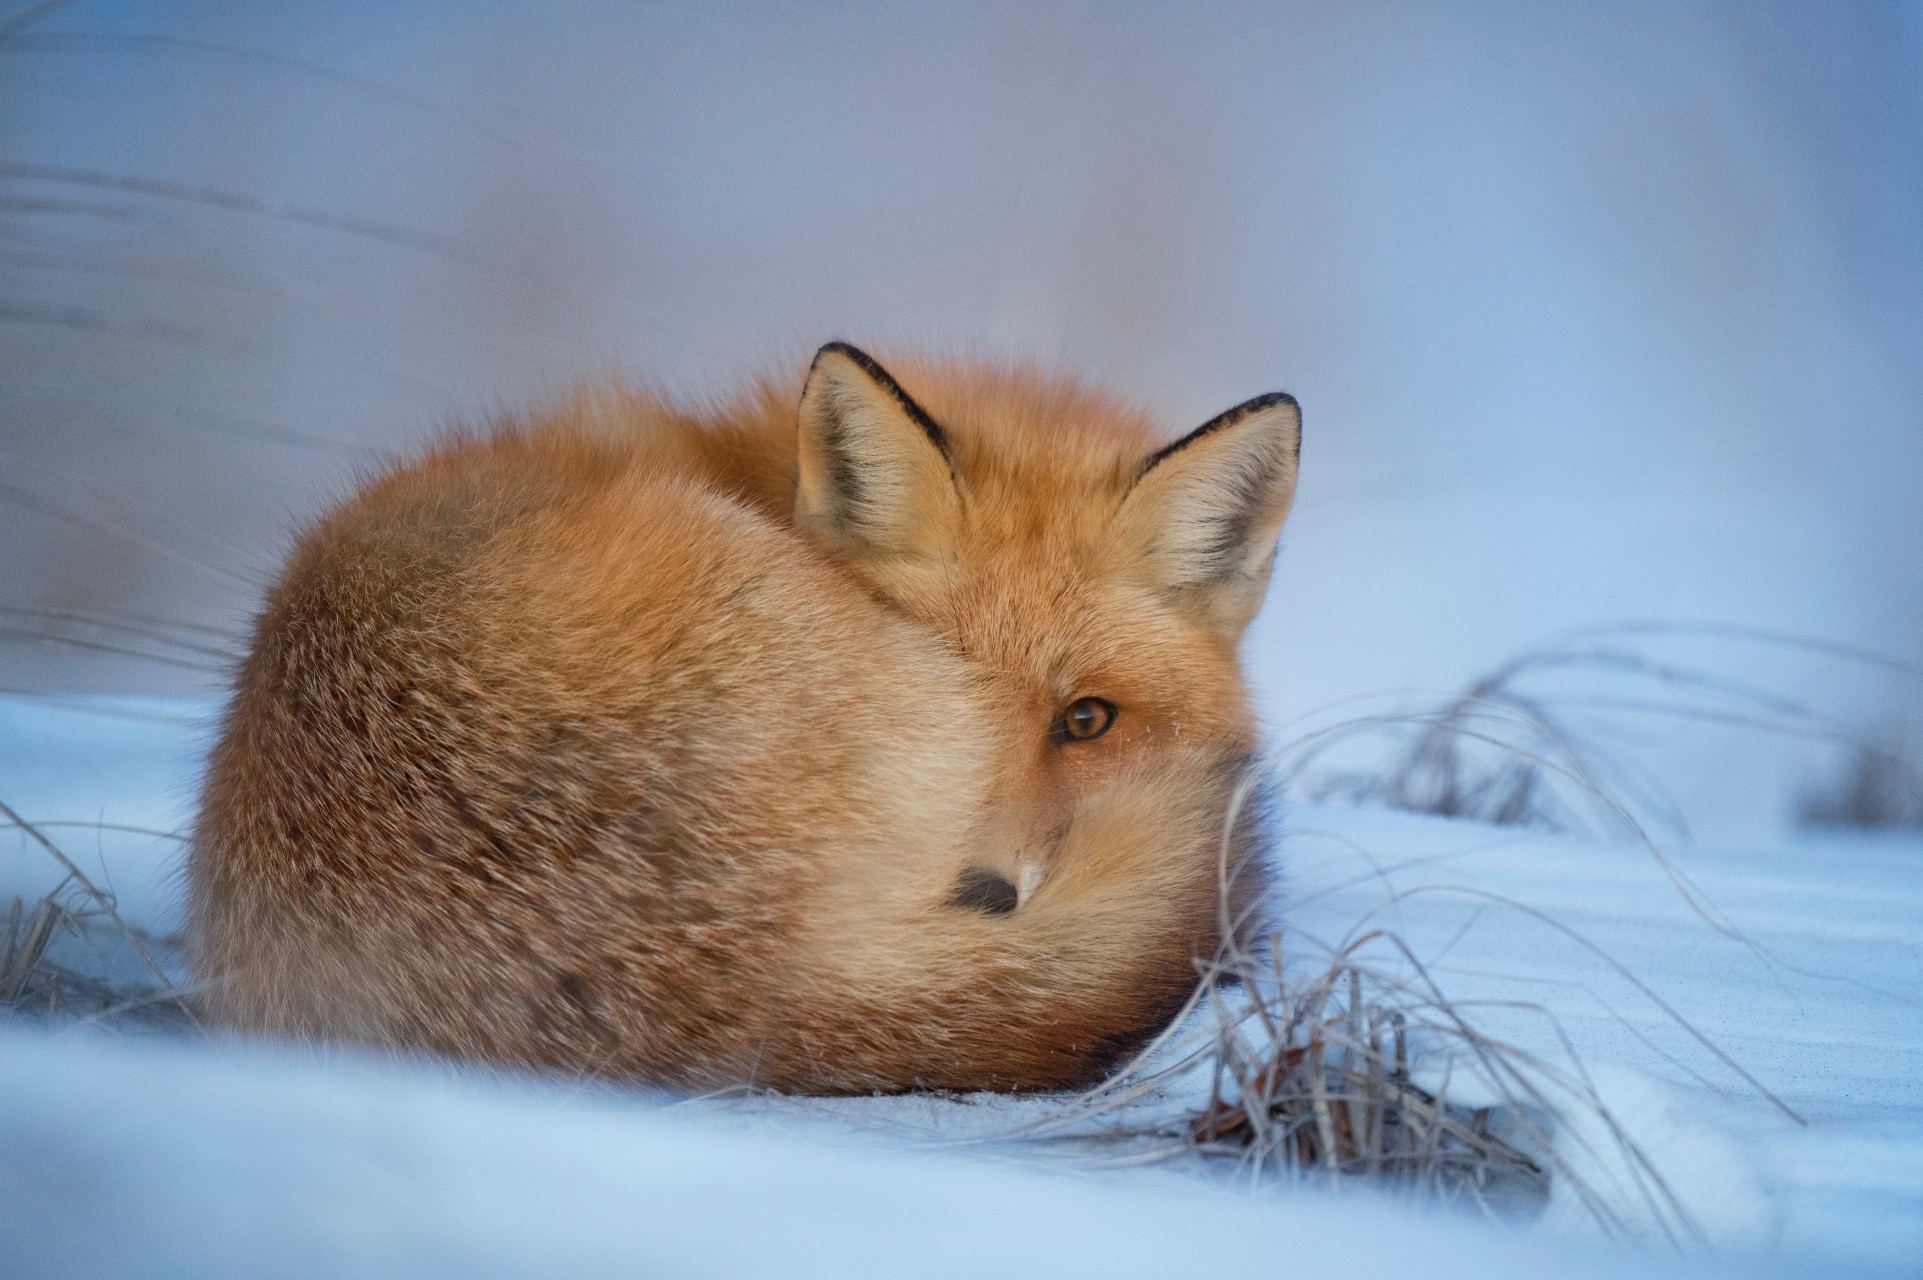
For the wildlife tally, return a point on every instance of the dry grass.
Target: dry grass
(33, 985)
(1318, 1076)
(1346, 1077)
(1535, 740)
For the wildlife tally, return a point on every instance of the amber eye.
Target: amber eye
(1085, 718)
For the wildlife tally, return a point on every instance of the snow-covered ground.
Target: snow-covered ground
(1799, 961)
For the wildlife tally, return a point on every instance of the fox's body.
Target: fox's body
(708, 750)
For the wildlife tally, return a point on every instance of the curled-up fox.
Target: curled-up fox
(889, 741)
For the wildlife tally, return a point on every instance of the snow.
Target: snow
(164, 1161)
(184, 1156)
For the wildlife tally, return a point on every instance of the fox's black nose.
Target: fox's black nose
(981, 889)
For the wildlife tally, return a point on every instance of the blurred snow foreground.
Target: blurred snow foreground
(1738, 1030)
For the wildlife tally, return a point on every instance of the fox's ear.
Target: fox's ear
(875, 477)
(1204, 512)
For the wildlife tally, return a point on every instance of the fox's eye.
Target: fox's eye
(1085, 718)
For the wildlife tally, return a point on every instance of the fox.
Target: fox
(842, 742)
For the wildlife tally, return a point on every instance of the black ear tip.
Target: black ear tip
(1295, 406)
(1273, 400)
(840, 348)
(884, 380)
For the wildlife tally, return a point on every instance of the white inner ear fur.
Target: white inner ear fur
(1206, 515)
(870, 478)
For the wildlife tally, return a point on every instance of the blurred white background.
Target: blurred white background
(1597, 312)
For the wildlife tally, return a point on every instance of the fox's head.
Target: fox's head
(1097, 578)
(1101, 578)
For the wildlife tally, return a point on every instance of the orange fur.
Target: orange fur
(656, 744)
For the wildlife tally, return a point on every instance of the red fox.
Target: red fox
(882, 744)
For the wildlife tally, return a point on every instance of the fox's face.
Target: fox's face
(1101, 583)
